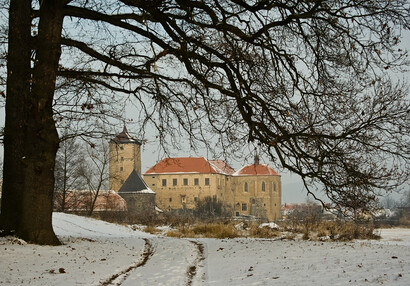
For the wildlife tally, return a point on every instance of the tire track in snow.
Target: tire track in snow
(63, 225)
(194, 269)
(118, 278)
(77, 226)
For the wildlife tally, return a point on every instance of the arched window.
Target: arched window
(263, 187)
(245, 187)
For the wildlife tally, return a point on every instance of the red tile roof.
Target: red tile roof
(186, 165)
(222, 166)
(256, 169)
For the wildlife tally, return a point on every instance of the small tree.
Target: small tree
(94, 171)
(209, 208)
(67, 177)
(306, 215)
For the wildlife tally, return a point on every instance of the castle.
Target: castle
(178, 183)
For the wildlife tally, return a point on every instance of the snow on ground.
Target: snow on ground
(100, 253)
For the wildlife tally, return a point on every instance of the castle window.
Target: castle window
(121, 147)
(196, 181)
(185, 182)
(237, 214)
(252, 201)
(183, 199)
(174, 182)
(244, 207)
(245, 187)
(121, 169)
(122, 158)
(195, 199)
(263, 187)
(206, 181)
(170, 199)
(164, 182)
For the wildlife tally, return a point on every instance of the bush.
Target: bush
(346, 230)
(263, 232)
(209, 209)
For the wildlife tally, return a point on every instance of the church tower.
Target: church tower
(125, 156)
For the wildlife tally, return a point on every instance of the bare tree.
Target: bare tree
(93, 170)
(67, 178)
(307, 80)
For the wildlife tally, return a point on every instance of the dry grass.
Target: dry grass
(324, 230)
(264, 232)
(187, 226)
(345, 231)
(211, 230)
(152, 229)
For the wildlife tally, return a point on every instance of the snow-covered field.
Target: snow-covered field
(99, 253)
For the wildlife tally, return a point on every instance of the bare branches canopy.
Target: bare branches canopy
(307, 80)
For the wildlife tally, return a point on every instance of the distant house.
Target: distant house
(254, 190)
(80, 201)
(180, 182)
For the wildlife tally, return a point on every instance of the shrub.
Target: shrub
(209, 209)
(151, 229)
(263, 232)
(346, 230)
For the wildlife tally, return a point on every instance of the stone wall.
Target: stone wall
(140, 202)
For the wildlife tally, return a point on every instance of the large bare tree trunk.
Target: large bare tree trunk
(32, 192)
(18, 89)
(41, 136)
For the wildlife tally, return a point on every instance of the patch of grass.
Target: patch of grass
(151, 229)
(263, 232)
(211, 230)
(346, 230)
(331, 230)
(216, 230)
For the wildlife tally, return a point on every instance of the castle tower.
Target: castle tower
(125, 156)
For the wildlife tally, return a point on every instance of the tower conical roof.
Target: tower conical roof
(135, 184)
(125, 137)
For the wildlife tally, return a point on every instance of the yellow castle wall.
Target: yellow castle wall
(123, 159)
(254, 201)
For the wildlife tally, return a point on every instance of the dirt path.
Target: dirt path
(119, 278)
(176, 261)
(196, 270)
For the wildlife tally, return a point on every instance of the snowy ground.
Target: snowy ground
(99, 253)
